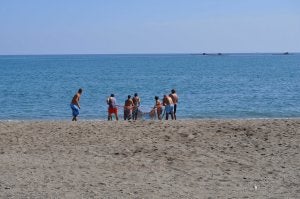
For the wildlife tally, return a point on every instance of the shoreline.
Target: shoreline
(149, 120)
(150, 159)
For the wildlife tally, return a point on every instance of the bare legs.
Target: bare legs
(109, 117)
(175, 108)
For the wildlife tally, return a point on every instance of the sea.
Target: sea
(209, 86)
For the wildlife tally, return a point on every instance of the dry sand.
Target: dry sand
(150, 159)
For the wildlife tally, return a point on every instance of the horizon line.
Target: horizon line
(170, 53)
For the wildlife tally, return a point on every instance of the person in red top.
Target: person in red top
(174, 97)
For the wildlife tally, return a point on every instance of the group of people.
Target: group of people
(131, 106)
(169, 102)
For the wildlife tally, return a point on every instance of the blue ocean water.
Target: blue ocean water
(226, 86)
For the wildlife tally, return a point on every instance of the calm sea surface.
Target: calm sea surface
(227, 86)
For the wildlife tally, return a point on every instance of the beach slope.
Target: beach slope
(150, 159)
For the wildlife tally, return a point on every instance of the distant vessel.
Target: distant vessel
(285, 53)
(211, 54)
(206, 54)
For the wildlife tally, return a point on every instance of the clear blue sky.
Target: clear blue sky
(148, 26)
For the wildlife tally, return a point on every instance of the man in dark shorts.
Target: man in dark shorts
(174, 97)
(75, 104)
(136, 102)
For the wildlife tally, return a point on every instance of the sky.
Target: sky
(148, 26)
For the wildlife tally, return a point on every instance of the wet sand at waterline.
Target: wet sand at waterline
(150, 159)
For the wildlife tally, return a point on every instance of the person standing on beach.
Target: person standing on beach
(75, 104)
(158, 107)
(136, 102)
(112, 107)
(128, 108)
(174, 97)
(168, 103)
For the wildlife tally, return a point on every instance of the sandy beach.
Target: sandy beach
(150, 159)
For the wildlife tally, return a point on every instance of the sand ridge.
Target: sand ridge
(151, 159)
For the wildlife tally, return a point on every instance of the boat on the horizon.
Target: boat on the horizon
(207, 54)
(285, 53)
